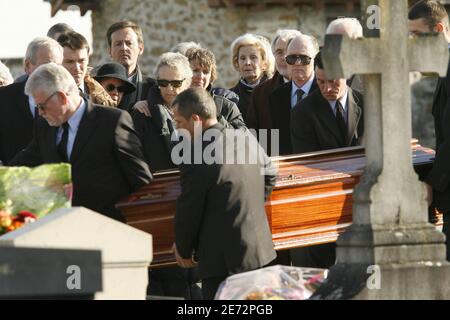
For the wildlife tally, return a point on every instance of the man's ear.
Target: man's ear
(109, 51)
(439, 27)
(141, 48)
(196, 118)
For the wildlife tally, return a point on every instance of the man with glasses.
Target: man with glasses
(17, 110)
(100, 143)
(427, 17)
(125, 46)
(329, 118)
(300, 66)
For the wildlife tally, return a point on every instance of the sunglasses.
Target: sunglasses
(42, 105)
(173, 83)
(111, 87)
(294, 58)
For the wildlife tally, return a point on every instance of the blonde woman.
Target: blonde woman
(253, 59)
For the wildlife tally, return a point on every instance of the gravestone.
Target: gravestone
(390, 251)
(29, 273)
(126, 251)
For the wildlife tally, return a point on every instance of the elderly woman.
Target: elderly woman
(5, 76)
(203, 65)
(113, 78)
(253, 59)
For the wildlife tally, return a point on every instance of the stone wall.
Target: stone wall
(167, 23)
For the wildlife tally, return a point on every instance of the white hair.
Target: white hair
(5, 75)
(285, 35)
(349, 26)
(175, 61)
(43, 42)
(51, 77)
(183, 47)
(259, 42)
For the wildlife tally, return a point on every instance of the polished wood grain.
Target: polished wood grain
(311, 203)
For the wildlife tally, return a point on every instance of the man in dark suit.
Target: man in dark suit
(221, 221)
(258, 115)
(17, 110)
(426, 17)
(300, 59)
(329, 118)
(100, 143)
(125, 46)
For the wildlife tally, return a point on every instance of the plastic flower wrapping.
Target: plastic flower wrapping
(272, 283)
(27, 194)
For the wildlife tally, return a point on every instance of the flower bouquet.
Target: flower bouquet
(27, 194)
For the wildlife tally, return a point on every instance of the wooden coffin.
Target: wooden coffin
(311, 203)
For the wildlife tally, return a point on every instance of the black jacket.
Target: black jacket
(280, 112)
(107, 161)
(439, 176)
(155, 132)
(244, 92)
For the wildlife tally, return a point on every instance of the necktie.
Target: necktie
(36, 112)
(340, 118)
(62, 146)
(299, 94)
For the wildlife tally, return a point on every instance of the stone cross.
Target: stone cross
(390, 218)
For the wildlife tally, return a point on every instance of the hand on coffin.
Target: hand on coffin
(142, 107)
(184, 263)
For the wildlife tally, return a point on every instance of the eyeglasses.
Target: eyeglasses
(173, 83)
(42, 106)
(110, 87)
(294, 58)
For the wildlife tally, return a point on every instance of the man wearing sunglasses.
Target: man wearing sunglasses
(300, 64)
(17, 110)
(100, 143)
(329, 118)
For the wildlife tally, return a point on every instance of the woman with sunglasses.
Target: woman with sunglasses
(252, 57)
(203, 65)
(113, 78)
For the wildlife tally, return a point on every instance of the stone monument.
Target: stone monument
(126, 252)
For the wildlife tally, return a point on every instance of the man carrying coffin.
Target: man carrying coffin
(220, 215)
(100, 143)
